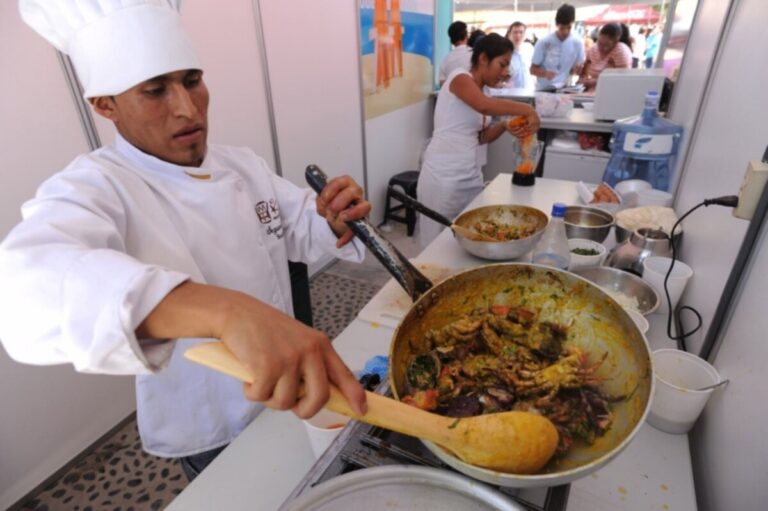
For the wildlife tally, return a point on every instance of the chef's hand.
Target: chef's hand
(549, 74)
(334, 204)
(281, 353)
(277, 350)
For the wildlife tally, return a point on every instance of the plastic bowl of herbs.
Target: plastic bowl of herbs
(586, 253)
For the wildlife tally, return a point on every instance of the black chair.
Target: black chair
(407, 181)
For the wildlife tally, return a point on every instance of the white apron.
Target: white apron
(107, 238)
(451, 174)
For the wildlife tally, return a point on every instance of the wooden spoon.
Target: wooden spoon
(471, 234)
(515, 442)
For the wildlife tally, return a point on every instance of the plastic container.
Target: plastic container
(644, 147)
(655, 198)
(676, 402)
(655, 270)
(323, 428)
(552, 249)
(585, 261)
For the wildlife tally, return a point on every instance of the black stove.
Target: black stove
(361, 445)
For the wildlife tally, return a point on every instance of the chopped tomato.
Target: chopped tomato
(423, 399)
(500, 310)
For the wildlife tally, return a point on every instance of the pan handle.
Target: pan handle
(418, 206)
(411, 279)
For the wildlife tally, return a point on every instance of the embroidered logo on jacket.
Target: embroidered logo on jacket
(267, 211)
(262, 211)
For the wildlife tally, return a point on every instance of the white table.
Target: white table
(263, 465)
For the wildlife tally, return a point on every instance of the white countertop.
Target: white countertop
(266, 462)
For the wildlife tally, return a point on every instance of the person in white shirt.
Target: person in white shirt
(460, 55)
(638, 48)
(521, 57)
(559, 55)
(141, 249)
(451, 175)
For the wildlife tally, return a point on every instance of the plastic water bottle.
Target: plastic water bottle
(644, 147)
(552, 249)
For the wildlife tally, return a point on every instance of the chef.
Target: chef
(141, 249)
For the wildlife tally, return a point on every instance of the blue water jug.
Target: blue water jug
(644, 147)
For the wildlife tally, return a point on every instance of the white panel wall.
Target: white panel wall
(731, 454)
(731, 131)
(313, 63)
(49, 414)
(394, 143)
(699, 57)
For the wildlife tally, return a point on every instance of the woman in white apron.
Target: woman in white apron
(451, 174)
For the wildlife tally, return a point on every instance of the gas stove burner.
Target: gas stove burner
(361, 445)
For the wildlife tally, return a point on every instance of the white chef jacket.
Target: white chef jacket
(105, 240)
(450, 175)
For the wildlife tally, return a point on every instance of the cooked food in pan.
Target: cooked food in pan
(505, 358)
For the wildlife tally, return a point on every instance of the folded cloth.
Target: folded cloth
(378, 365)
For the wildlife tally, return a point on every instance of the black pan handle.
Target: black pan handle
(418, 206)
(411, 279)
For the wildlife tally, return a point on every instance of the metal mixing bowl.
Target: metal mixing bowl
(589, 223)
(502, 214)
(620, 281)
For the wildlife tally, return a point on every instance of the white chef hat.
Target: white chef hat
(114, 44)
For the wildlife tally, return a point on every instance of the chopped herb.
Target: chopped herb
(585, 251)
(454, 424)
(509, 349)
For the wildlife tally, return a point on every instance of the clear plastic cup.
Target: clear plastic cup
(323, 428)
(655, 269)
(676, 403)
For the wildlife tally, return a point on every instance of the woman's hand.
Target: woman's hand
(527, 128)
(342, 200)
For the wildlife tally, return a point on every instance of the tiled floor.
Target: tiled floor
(118, 476)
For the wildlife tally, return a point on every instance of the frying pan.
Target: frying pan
(597, 324)
(503, 214)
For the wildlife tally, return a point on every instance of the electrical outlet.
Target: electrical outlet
(751, 188)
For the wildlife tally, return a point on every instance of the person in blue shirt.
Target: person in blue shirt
(560, 54)
(652, 43)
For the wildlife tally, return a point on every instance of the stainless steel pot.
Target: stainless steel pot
(402, 487)
(642, 243)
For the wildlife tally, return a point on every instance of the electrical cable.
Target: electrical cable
(730, 201)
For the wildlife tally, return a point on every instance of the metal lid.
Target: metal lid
(402, 487)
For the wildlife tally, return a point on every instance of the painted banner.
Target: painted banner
(396, 53)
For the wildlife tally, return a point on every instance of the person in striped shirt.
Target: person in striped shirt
(608, 53)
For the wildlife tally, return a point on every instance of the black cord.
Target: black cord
(729, 201)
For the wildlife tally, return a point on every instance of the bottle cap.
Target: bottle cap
(558, 209)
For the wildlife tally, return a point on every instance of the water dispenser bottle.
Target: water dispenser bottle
(644, 147)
